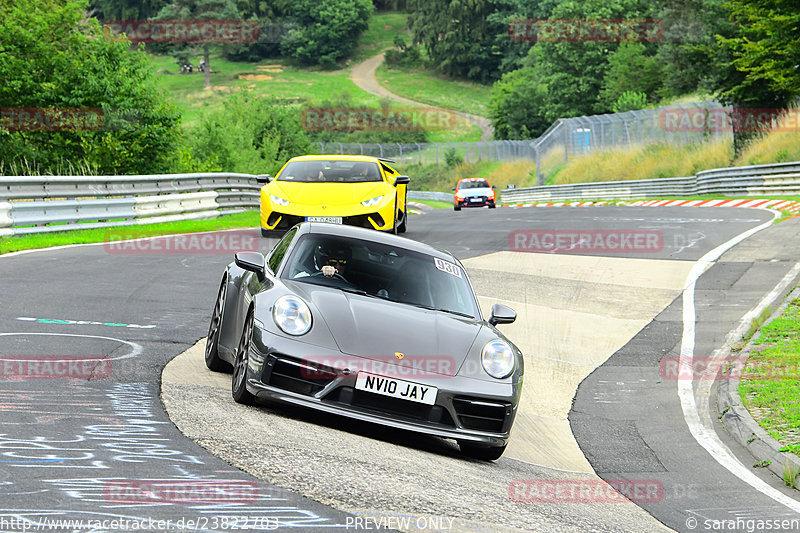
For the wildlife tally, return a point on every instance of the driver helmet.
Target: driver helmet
(330, 252)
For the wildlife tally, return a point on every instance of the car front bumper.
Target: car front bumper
(474, 201)
(466, 409)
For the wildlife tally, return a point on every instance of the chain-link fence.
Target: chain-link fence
(677, 124)
(436, 153)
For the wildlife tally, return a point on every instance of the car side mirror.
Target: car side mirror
(263, 179)
(454, 189)
(493, 187)
(402, 180)
(502, 314)
(253, 262)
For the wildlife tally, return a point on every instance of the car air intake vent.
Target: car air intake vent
(483, 415)
(296, 376)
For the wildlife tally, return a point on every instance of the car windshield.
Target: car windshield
(382, 271)
(479, 184)
(330, 172)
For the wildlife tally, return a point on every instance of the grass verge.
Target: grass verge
(769, 385)
(436, 204)
(17, 243)
(430, 88)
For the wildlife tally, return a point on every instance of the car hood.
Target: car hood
(483, 191)
(377, 329)
(328, 194)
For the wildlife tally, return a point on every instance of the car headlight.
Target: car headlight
(497, 359)
(292, 315)
(372, 201)
(278, 200)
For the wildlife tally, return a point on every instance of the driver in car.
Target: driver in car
(336, 263)
(329, 261)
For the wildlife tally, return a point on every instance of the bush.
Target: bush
(452, 158)
(630, 101)
(250, 134)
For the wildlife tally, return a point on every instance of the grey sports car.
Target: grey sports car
(369, 326)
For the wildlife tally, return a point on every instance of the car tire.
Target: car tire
(403, 227)
(213, 361)
(456, 208)
(492, 206)
(239, 378)
(484, 453)
(266, 232)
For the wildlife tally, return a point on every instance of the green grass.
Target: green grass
(383, 27)
(268, 78)
(769, 386)
(17, 243)
(436, 204)
(433, 89)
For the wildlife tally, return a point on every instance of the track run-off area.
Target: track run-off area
(618, 295)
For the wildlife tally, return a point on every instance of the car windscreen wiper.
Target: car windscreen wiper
(442, 309)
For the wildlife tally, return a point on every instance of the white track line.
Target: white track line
(704, 434)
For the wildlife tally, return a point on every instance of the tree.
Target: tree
(517, 105)
(56, 62)
(458, 36)
(687, 48)
(759, 61)
(125, 9)
(574, 71)
(630, 70)
(326, 30)
(193, 10)
(766, 49)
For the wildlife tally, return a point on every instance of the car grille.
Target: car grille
(287, 221)
(400, 409)
(484, 415)
(296, 376)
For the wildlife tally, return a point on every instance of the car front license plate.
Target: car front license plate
(396, 388)
(331, 220)
(475, 200)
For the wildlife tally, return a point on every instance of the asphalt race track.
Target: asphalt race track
(595, 319)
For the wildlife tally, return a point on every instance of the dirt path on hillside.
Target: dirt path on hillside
(363, 75)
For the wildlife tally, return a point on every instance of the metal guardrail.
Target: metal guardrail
(57, 203)
(777, 179)
(429, 195)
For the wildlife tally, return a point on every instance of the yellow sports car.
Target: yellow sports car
(342, 189)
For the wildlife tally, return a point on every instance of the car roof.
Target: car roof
(337, 157)
(473, 179)
(341, 230)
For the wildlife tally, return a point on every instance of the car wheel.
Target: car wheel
(266, 232)
(213, 361)
(456, 208)
(484, 453)
(492, 206)
(393, 231)
(402, 228)
(239, 379)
